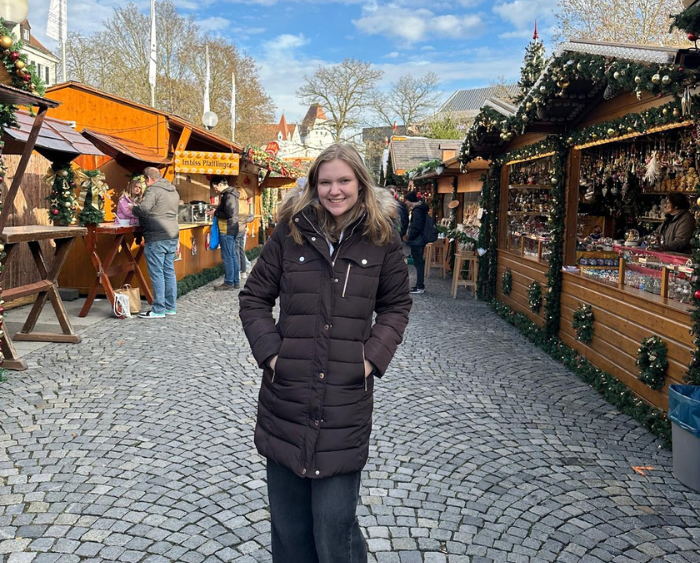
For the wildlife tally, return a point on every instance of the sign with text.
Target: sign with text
(214, 163)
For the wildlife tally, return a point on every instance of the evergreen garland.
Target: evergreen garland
(583, 323)
(555, 226)
(688, 20)
(692, 376)
(652, 361)
(17, 65)
(492, 252)
(507, 282)
(63, 205)
(534, 296)
(92, 198)
(612, 390)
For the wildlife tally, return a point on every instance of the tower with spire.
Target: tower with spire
(533, 65)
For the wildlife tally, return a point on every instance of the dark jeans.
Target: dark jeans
(314, 520)
(232, 274)
(160, 261)
(419, 263)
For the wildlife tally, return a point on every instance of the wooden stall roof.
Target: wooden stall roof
(118, 146)
(55, 138)
(9, 95)
(409, 152)
(200, 134)
(80, 86)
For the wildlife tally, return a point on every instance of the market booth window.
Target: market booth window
(633, 226)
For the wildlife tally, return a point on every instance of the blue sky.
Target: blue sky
(467, 43)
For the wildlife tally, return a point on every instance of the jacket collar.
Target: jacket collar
(308, 223)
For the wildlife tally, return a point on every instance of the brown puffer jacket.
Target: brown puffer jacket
(315, 410)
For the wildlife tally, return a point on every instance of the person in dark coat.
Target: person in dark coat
(227, 216)
(415, 239)
(402, 223)
(333, 260)
(679, 226)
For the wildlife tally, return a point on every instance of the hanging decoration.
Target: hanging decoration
(92, 198)
(16, 70)
(507, 282)
(583, 323)
(271, 162)
(62, 179)
(534, 296)
(652, 361)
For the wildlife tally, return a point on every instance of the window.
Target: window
(25, 34)
(46, 69)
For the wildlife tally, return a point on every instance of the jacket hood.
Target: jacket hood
(386, 202)
(164, 185)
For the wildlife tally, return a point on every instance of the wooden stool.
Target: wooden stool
(436, 256)
(471, 260)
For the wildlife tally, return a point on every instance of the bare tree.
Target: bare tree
(344, 91)
(116, 60)
(409, 101)
(620, 21)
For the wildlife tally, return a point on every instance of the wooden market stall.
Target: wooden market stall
(582, 170)
(57, 142)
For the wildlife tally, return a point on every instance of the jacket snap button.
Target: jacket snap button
(364, 262)
(296, 220)
(301, 258)
(322, 375)
(316, 422)
(326, 327)
(318, 472)
(303, 471)
(313, 239)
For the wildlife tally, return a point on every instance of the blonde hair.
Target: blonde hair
(379, 220)
(135, 181)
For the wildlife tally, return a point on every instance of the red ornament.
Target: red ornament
(27, 77)
(14, 55)
(54, 211)
(697, 294)
(692, 37)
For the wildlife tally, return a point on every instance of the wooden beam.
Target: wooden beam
(8, 204)
(263, 184)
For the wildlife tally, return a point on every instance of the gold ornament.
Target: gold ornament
(5, 41)
(676, 113)
(656, 79)
(665, 111)
(19, 64)
(19, 72)
(698, 201)
(666, 80)
(63, 173)
(616, 75)
(611, 132)
(543, 89)
(630, 130)
(638, 79)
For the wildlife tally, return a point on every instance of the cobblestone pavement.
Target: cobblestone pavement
(136, 446)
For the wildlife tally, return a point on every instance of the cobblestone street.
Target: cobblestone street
(136, 446)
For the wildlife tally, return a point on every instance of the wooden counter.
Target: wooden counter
(79, 272)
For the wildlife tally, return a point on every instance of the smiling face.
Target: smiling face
(338, 188)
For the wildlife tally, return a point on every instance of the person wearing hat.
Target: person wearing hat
(415, 239)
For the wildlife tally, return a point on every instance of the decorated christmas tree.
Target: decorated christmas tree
(533, 65)
(61, 179)
(92, 198)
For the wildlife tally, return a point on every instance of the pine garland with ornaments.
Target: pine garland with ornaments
(507, 282)
(583, 323)
(652, 361)
(92, 198)
(62, 179)
(21, 73)
(692, 376)
(534, 296)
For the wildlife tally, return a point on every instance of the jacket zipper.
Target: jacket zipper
(347, 276)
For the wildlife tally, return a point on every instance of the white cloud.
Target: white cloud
(414, 25)
(214, 23)
(392, 55)
(523, 13)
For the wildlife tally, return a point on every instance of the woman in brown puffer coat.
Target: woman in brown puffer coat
(334, 259)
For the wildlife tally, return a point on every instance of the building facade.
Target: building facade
(44, 61)
(305, 140)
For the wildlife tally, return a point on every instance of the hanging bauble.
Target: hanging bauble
(67, 204)
(616, 75)
(63, 173)
(630, 130)
(54, 211)
(554, 180)
(611, 132)
(543, 89)
(579, 67)
(2, 247)
(697, 294)
(594, 136)
(19, 64)
(698, 201)
(525, 118)
(676, 112)
(638, 79)
(19, 72)
(528, 105)
(666, 80)
(564, 84)
(5, 41)
(665, 111)
(27, 77)
(13, 56)
(656, 79)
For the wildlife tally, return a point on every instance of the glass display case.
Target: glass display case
(529, 206)
(194, 212)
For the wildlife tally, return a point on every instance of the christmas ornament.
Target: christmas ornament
(666, 80)
(692, 37)
(5, 41)
(676, 112)
(697, 294)
(656, 79)
(543, 90)
(54, 211)
(13, 56)
(638, 79)
(616, 75)
(19, 64)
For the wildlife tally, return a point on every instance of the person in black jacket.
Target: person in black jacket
(333, 261)
(227, 216)
(415, 239)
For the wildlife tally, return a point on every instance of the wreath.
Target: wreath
(652, 362)
(583, 323)
(506, 282)
(534, 296)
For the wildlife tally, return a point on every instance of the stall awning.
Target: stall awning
(56, 138)
(119, 147)
(11, 96)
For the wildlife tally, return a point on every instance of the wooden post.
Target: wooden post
(522, 245)
(664, 281)
(621, 273)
